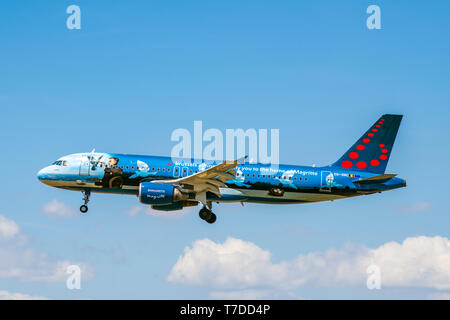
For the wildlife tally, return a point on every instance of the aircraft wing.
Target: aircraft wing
(210, 179)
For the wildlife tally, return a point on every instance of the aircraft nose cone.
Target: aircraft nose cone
(40, 174)
(43, 174)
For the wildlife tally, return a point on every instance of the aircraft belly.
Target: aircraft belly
(288, 197)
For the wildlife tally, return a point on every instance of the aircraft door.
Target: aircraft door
(326, 181)
(85, 166)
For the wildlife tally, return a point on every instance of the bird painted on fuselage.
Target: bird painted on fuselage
(171, 184)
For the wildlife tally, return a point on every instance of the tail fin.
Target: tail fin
(371, 152)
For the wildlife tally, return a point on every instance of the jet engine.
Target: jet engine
(160, 194)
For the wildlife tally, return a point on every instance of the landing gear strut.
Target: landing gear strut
(207, 215)
(84, 207)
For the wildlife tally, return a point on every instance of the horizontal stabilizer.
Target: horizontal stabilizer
(376, 179)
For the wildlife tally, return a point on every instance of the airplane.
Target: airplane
(168, 184)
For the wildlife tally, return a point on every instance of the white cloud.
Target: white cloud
(134, 211)
(33, 266)
(439, 296)
(5, 295)
(415, 207)
(58, 209)
(240, 265)
(30, 265)
(250, 295)
(8, 228)
(240, 295)
(19, 262)
(235, 264)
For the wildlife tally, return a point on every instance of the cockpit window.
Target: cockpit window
(60, 163)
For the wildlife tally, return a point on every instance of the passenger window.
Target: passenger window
(168, 170)
(164, 169)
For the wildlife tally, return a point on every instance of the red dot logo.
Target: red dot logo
(381, 122)
(383, 157)
(384, 150)
(361, 165)
(365, 140)
(370, 134)
(347, 164)
(353, 155)
(377, 126)
(374, 163)
(381, 145)
(360, 147)
(374, 130)
(382, 119)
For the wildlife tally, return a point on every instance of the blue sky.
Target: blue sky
(138, 70)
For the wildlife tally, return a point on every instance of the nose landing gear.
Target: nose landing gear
(84, 207)
(207, 215)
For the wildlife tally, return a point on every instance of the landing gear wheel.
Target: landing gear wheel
(83, 208)
(207, 215)
(212, 218)
(203, 213)
(87, 195)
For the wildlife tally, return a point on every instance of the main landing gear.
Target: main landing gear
(207, 215)
(84, 207)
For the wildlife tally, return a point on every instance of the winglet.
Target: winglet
(242, 160)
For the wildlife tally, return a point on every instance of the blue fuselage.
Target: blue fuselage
(123, 173)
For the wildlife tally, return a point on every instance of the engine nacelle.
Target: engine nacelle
(177, 205)
(160, 193)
